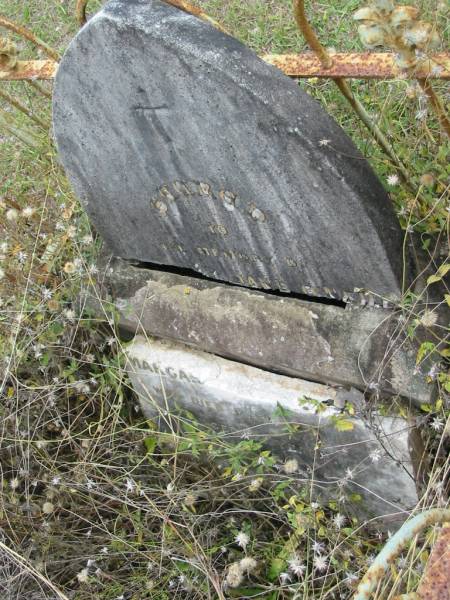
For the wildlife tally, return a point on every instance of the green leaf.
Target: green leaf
(441, 272)
(276, 567)
(425, 349)
(150, 444)
(343, 425)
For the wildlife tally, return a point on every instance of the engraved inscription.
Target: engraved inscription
(170, 372)
(186, 190)
(218, 229)
(246, 268)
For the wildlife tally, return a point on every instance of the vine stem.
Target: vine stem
(29, 35)
(7, 122)
(17, 104)
(436, 103)
(346, 91)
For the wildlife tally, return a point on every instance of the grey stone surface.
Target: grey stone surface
(188, 150)
(365, 348)
(372, 459)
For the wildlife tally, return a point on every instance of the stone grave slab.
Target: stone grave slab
(373, 459)
(365, 348)
(188, 150)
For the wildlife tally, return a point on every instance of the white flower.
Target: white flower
(255, 484)
(437, 424)
(285, 578)
(130, 485)
(14, 483)
(56, 480)
(324, 142)
(351, 577)
(338, 520)
(234, 575)
(349, 474)
(87, 239)
(90, 484)
(375, 455)
(46, 293)
(83, 576)
(104, 550)
(248, 564)
(47, 508)
(93, 269)
(22, 256)
(434, 371)
(393, 179)
(428, 318)
(242, 539)
(12, 214)
(69, 314)
(290, 466)
(296, 566)
(318, 547)
(28, 211)
(320, 563)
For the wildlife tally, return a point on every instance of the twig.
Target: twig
(22, 561)
(23, 109)
(29, 35)
(342, 84)
(28, 138)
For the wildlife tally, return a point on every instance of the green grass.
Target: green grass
(85, 479)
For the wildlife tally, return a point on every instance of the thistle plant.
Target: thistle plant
(399, 28)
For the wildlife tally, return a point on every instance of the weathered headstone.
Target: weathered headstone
(188, 150)
(370, 459)
(365, 348)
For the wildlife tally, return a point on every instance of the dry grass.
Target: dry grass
(95, 503)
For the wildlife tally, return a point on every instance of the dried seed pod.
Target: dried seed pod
(8, 54)
(403, 14)
(372, 36)
(367, 14)
(418, 35)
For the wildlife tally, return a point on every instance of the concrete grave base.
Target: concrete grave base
(364, 348)
(372, 459)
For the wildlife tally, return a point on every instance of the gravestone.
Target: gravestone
(205, 167)
(361, 347)
(189, 151)
(369, 459)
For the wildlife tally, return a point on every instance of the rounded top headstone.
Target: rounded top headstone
(189, 151)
